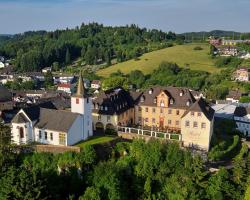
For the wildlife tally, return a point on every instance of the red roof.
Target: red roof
(65, 85)
(96, 82)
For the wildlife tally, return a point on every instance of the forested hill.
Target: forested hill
(93, 42)
(4, 38)
(216, 33)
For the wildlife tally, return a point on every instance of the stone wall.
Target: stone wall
(56, 149)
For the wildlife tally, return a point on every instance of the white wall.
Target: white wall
(76, 132)
(85, 108)
(55, 140)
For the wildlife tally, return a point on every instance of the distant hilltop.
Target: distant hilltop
(216, 33)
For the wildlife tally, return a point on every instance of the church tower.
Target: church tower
(81, 103)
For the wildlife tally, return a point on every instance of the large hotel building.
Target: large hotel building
(167, 109)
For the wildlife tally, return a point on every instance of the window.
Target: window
(153, 120)
(139, 119)
(177, 123)
(177, 112)
(62, 139)
(146, 109)
(77, 101)
(153, 110)
(87, 100)
(40, 134)
(51, 136)
(108, 118)
(192, 113)
(99, 117)
(146, 119)
(187, 123)
(169, 122)
(162, 103)
(161, 110)
(155, 100)
(169, 111)
(199, 114)
(45, 135)
(139, 109)
(21, 132)
(195, 125)
(203, 125)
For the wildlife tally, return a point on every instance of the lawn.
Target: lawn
(96, 140)
(183, 55)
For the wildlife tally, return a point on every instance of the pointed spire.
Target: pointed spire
(80, 87)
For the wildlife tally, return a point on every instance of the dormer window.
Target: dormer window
(106, 108)
(188, 103)
(142, 99)
(181, 93)
(155, 100)
(171, 101)
(150, 91)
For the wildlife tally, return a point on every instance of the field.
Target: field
(96, 140)
(183, 55)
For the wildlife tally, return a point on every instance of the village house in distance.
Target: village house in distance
(55, 127)
(159, 109)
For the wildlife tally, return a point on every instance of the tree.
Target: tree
(115, 81)
(91, 193)
(21, 184)
(55, 66)
(137, 77)
(67, 57)
(49, 81)
(5, 135)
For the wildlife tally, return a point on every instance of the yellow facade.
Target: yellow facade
(196, 130)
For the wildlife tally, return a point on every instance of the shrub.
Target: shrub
(110, 132)
(221, 152)
(198, 48)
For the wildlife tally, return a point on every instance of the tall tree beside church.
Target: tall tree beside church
(5, 135)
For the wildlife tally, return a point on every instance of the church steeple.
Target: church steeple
(80, 88)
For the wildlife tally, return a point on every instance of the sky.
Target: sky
(17, 16)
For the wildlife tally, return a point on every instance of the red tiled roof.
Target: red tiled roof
(64, 85)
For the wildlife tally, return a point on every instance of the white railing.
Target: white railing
(150, 133)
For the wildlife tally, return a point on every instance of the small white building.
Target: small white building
(242, 119)
(55, 127)
(96, 84)
(2, 65)
(46, 70)
(65, 87)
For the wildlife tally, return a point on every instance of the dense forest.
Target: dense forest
(93, 42)
(127, 170)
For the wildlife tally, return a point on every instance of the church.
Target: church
(55, 127)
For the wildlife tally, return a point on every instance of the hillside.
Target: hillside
(183, 55)
(94, 43)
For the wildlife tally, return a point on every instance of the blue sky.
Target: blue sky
(176, 15)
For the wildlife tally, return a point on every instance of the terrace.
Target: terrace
(168, 134)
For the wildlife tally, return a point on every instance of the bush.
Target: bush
(110, 132)
(245, 99)
(198, 48)
(221, 152)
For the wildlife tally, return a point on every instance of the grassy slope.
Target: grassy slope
(181, 54)
(96, 140)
